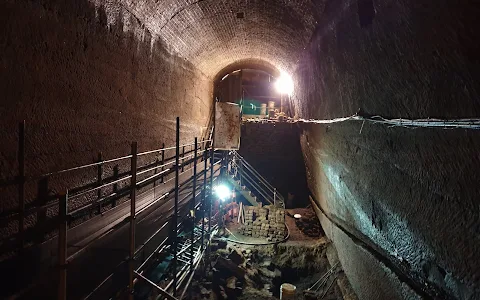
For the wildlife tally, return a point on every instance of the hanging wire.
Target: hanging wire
(465, 123)
(408, 123)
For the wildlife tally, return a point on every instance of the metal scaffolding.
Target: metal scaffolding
(193, 162)
(173, 249)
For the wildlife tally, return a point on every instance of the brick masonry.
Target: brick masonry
(264, 222)
(92, 76)
(211, 34)
(87, 81)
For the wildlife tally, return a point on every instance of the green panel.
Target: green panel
(251, 107)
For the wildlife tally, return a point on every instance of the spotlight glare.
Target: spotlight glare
(222, 191)
(284, 84)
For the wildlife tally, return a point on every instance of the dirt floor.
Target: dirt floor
(239, 270)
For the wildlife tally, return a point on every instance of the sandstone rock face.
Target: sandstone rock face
(410, 194)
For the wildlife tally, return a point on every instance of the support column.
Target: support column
(192, 208)
(204, 193)
(211, 191)
(99, 182)
(175, 213)
(133, 193)
(163, 160)
(62, 246)
(21, 185)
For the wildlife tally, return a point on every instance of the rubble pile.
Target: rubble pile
(237, 273)
(246, 272)
(264, 222)
(309, 225)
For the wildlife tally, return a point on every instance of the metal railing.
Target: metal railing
(137, 272)
(105, 192)
(241, 170)
(186, 159)
(159, 170)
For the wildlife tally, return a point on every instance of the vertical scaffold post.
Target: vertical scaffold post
(204, 194)
(192, 209)
(211, 192)
(62, 246)
(21, 185)
(274, 196)
(163, 161)
(175, 213)
(115, 186)
(183, 157)
(133, 193)
(99, 182)
(240, 170)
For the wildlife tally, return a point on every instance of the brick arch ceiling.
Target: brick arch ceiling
(211, 35)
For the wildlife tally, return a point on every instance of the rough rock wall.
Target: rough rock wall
(410, 195)
(87, 78)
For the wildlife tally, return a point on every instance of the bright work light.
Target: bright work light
(222, 191)
(284, 84)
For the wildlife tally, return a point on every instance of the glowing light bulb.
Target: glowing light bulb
(284, 84)
(222, 191)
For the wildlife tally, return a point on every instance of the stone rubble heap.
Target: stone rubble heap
(264, 222)
(237, 273)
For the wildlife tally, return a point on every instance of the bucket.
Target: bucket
(287, 291)
(263, 109)
(271, 105)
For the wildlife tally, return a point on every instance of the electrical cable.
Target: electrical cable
(461, 123)
(472, 123)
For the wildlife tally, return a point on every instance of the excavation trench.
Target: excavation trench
(240, 271)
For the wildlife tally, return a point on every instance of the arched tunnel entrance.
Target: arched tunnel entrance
(273, 148)
(383, 115)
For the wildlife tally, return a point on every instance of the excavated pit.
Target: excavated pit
(249, 272)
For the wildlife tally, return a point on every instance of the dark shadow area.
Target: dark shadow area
(366, 12)
(81, 81)
(274, 151)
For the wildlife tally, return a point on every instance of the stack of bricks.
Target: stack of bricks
(264, 222)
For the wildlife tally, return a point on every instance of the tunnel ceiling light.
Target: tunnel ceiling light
(284, 84)
(222, 191)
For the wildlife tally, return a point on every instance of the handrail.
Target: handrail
(110, 182)
(271, 189)
(110, 161)
(254, 171)
(258, 176)
(170, 148)
(83, 166)
(250, 179)
(257, 186)
(123, 177)
(85, 209)
(256, 181)
(158, 249)
(260, 191)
